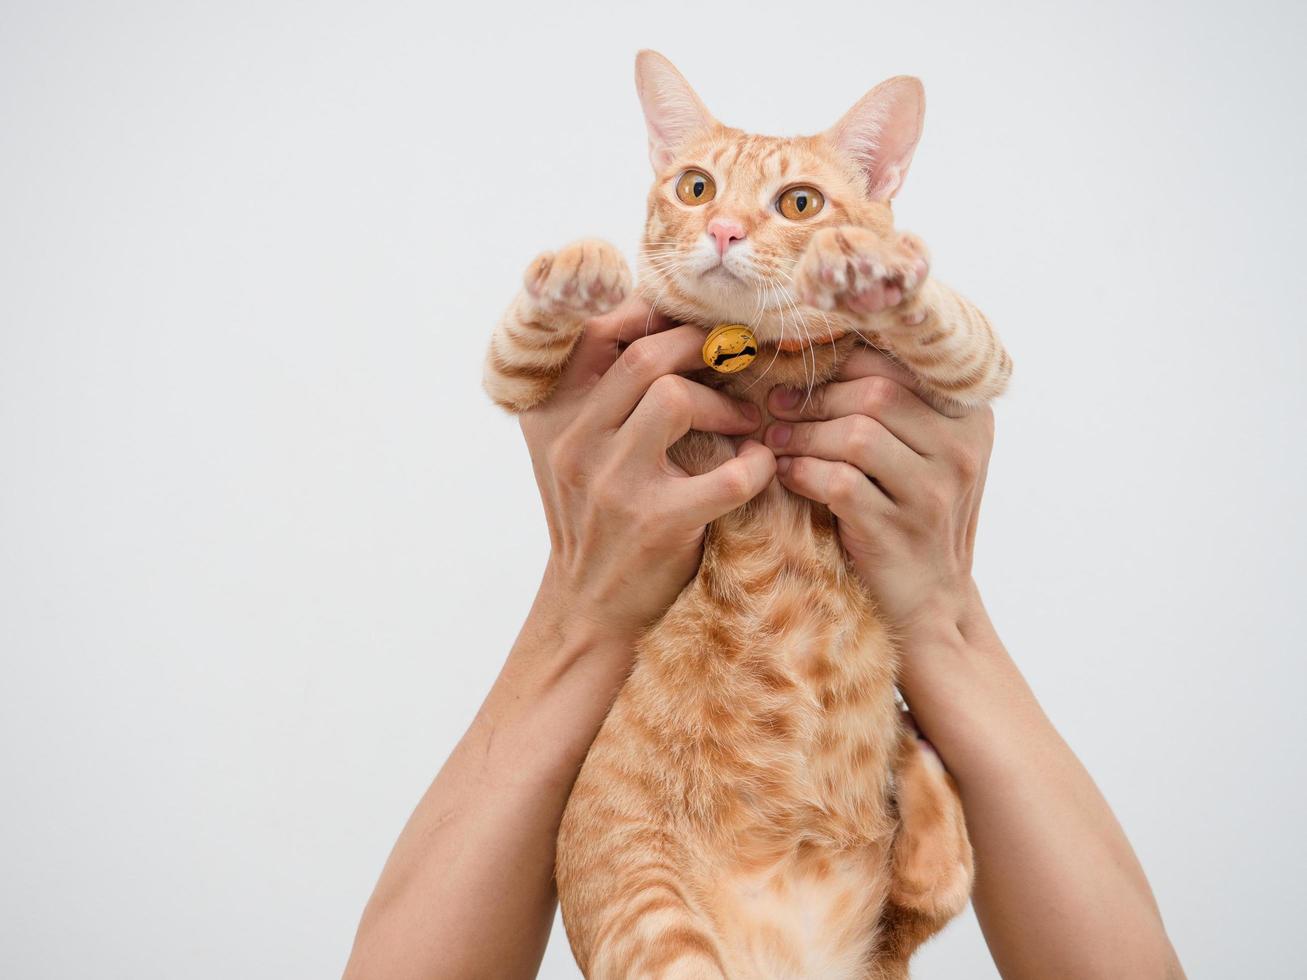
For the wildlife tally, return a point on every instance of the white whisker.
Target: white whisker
(648, 320)
(786, 296)
(768, 284)
(860, 335)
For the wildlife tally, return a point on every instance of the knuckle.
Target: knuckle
(735, 483)
(878, 393)
(641, 358)
(936, 502)
(671, 393)
(845, 483)
(967, 463)
(864, 435)
(649, 524)
(555, 458)
(796, 472)
(609, 495)
(563, 460)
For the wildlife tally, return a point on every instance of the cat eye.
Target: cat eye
(695, 187)
(800, 202)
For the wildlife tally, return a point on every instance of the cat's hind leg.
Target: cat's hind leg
(931, 869)
(533, 342)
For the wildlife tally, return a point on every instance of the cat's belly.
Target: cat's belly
(775, 818)
(747, 761)
(767, 690)
(774, 721)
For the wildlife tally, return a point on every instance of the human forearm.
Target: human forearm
(1059, 891)
(468, 889)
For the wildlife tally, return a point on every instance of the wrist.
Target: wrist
(553, 693)
(564, 615)
(951, 642)
(964, 690)
(952, 614)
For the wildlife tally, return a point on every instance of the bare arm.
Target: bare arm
(468, 889)
(1059, 891)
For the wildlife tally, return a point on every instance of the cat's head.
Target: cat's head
(730, 213)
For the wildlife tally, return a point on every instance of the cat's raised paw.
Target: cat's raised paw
(858, 271)
(586, 278)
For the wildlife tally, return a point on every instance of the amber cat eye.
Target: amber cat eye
(695, 187)
(800, 202)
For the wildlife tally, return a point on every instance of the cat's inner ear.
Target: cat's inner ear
(672, 112)
(880, 133)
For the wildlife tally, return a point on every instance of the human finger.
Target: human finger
(865, 362)
(674, 405)
(699, 500)
(845, 489)
(915, 423)
(602, 340)
(625, 382)
(856, 439)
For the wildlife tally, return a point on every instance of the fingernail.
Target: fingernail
(751, 412)
(783, 464)
(785, 397)
(778, 435)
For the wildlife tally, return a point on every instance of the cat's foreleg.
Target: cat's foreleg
(885, 283)
(534, 340)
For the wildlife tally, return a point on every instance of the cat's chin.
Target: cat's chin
(716, 297)
(791, 330)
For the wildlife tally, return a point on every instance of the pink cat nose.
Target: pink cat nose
(725, 231)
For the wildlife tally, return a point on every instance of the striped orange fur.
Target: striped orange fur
(754, 806)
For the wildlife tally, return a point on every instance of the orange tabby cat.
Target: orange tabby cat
(754, 805)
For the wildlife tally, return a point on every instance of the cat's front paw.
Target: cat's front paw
(586, 278)
(859, 271)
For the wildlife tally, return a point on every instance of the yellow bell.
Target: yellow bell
(730, 347)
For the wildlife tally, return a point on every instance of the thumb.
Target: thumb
(734, 483)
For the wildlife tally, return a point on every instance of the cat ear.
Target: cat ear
(672, 112)
(880, 133)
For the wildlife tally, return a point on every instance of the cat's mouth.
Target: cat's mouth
(720, 271)
(792, 344)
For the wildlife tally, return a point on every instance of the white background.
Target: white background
(264, 543)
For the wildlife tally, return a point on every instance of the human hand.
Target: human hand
(903, 480)
(626, 524)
